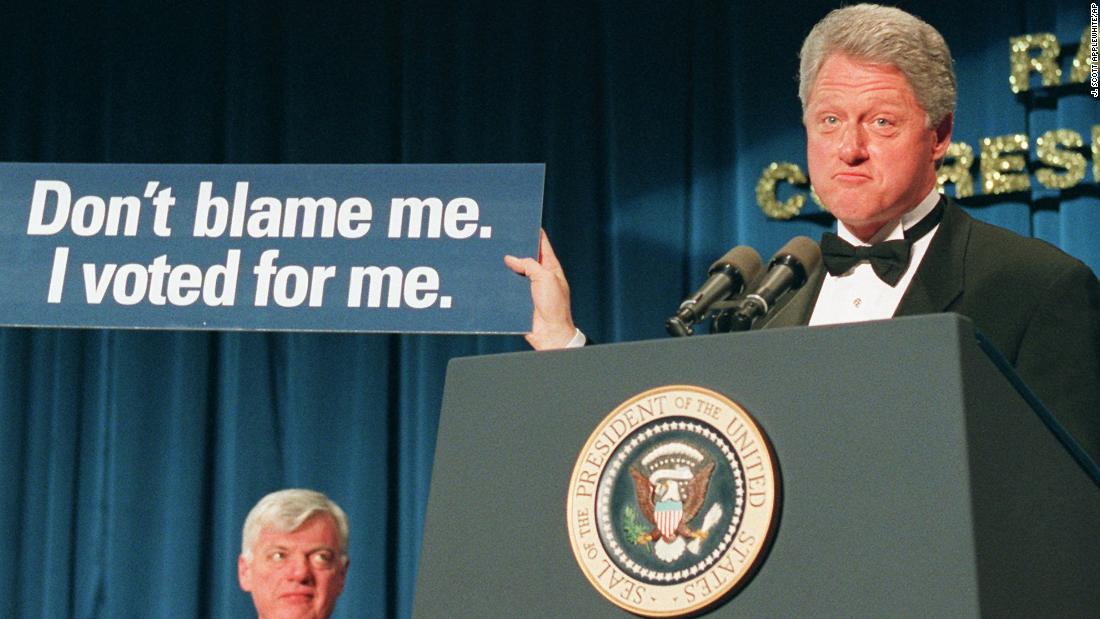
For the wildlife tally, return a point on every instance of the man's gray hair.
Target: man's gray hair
(285, 511)
(884, 35)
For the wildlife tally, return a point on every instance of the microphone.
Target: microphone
(788, 270)
(727, 277)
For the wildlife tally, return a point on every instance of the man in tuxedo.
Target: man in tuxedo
(294, 555)
(878, 94)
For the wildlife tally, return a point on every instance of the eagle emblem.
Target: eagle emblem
(664, 518)
(671, 489)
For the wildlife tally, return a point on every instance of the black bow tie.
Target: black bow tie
(889, 259)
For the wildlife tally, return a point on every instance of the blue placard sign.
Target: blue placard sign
(379, 248)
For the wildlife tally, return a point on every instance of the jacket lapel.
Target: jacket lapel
(940, 276)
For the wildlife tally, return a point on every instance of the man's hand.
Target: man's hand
(552, 323)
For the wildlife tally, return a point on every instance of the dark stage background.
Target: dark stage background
(128, 459)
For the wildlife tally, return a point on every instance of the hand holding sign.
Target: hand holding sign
(552, 322)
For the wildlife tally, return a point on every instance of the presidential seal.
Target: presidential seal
(673, 502)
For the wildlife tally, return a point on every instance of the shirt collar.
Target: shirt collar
(895, 229)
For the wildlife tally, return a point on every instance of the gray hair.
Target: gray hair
(285, 511)
(887, 36)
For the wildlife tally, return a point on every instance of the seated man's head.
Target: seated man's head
(294, 555)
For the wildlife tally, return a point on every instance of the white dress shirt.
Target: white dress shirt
(859, 294)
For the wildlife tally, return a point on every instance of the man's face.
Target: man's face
(870, 154)
(296, 575)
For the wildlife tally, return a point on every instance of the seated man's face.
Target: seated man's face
(296, 575)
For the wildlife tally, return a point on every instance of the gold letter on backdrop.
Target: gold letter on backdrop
(1045, 64)
(1079, 74)
(766, 195)
(956, 169)
(1096, 153)
(1046, 149)
(1004, 173)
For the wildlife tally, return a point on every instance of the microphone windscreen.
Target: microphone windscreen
(804, 250)
(744, 259)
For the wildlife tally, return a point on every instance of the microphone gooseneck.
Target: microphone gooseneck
(726, 278)
(787, 270)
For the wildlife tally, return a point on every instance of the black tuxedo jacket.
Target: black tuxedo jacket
(1039, 307)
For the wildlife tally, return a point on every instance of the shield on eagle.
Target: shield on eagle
(668, 515)
(673, 492)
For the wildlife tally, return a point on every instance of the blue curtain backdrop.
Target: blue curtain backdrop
(129, 459)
